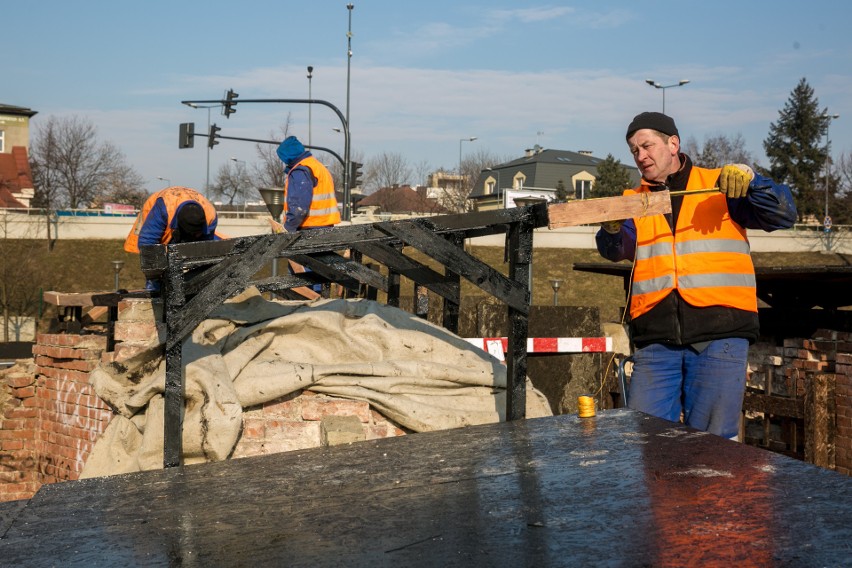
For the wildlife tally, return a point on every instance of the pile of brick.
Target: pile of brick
(52, 416)
(806, 383)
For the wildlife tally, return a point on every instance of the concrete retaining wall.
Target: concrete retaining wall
(22, 226)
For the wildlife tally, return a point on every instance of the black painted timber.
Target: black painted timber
(618, 489)
(198, 277)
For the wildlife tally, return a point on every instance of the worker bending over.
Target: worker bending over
(693, 300)
(172, 215)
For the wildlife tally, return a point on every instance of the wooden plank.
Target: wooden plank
(587, 211)
(819, 420)
(405, 266)
(775, 405)
(89, 299)
(474, 270)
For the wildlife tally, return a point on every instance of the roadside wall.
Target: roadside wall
(17, 225)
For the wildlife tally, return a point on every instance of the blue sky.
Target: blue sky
(565, 75)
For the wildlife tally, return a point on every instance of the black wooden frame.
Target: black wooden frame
(198, 277)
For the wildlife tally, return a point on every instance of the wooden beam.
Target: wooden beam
(586, 211)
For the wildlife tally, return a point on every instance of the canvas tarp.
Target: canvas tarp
(252, 350)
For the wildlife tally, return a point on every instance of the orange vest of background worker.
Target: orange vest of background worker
(309, 200)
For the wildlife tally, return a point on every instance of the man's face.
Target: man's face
(655, 154)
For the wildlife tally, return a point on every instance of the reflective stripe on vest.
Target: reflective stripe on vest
(707, 259)
(323, 210)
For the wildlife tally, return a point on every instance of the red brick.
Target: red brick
(84, 365)
(317, 407)
(66, 352)
(288, 408)
(124, 351)
(289, 436)
(139, 331)
(21, 412)
(254, 428)
(134, 309)
(8, 434)
(18, 380)
(98, 342)
(24, 392)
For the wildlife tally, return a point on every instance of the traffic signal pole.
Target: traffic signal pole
(231, 100)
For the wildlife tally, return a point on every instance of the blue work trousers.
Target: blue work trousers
(706, 386)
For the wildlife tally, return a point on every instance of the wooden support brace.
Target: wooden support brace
(585, 211)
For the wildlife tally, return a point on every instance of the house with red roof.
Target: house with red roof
(16, 179)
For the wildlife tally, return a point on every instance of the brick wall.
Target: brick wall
(18, 428)
(843, 393)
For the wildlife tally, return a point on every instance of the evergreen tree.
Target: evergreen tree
(561, 192)
(795, 153)
(612, 179)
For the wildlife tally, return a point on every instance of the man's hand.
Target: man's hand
(612, 227)
(734, 179)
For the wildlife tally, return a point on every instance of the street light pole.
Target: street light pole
(656, 85)
(167, 180)
(471, 139)
(310, 75)
(116, 267)
(349, 7)
(347, 192)
(241, 173)
(830, 117)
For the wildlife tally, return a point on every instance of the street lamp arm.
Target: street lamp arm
(657, 85)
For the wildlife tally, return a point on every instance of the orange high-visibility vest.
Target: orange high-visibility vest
(323, 211)
(172, 198)
(707, 260)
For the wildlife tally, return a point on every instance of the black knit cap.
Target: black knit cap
(191, 219)
(655, 121)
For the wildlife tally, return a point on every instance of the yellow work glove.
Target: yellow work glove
(612, 227)
(734, 179)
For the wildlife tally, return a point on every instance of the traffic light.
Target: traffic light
(228, 107)
(186, 135)
(355, 174)
(211, 137)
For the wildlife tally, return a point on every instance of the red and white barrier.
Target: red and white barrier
(497, 346)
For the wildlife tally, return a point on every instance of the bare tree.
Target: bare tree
(268, 171)
(386, 170)
(21, 266)
(843, 171)
(71, 168)
(719, 150)
(232, 182)
(123, 186)
(455, 196)
(422, 169)
(841, 178)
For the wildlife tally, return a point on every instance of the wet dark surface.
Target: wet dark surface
(619, 489)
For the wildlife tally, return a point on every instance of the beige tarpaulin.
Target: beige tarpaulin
(252, 350)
